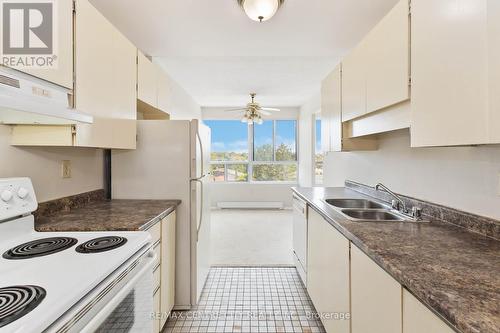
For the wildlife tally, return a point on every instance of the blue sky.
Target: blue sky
(232, 135)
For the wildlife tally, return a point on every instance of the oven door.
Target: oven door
(122, 303)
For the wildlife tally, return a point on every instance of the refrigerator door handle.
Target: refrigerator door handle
(200, 221)
(198, 137)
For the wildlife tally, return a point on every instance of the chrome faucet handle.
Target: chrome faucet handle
(416, 212)
(395, 204)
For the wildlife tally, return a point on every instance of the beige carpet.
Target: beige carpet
(251, 237)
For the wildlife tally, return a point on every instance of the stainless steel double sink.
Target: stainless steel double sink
(366, 210)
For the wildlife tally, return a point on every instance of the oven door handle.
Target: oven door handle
(94, 324)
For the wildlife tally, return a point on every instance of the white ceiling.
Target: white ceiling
(219, 55)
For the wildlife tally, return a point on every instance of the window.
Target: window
(318, 153)
(255, 153)
(229, 157)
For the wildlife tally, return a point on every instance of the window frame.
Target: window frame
(316, 116)
(251, 162)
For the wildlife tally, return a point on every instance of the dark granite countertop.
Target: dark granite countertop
(108, 215)
(452, 270)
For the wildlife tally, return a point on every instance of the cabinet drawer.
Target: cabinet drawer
(155, 232)
(157, 277)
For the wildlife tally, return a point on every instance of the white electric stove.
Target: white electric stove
(69, 281)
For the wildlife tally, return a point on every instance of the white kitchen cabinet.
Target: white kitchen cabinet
(331, 111)
(332, 131)
(105, 87)
(328, 273)
(455, 71)
(388, 60)
(494, 69)
(354, 67)
(63, 74)
(147, 80)
(375, 297)
(164, 92)
(417, 318)
(167, 290)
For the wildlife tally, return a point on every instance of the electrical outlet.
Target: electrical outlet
(66, 169)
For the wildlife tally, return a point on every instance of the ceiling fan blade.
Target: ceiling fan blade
(235, 110)
(265, 113)
(271, 109)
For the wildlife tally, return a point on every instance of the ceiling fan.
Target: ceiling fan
(253, 112)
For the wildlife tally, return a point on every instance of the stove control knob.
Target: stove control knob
(6, 195)
(22, 193)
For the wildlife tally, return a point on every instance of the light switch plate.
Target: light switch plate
(66, 169)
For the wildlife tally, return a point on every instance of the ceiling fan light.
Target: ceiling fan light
(261, 10)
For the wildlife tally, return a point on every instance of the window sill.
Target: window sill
(256, 183)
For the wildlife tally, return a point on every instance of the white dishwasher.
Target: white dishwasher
(300, 236)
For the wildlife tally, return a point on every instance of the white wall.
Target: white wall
(181, 106)
(466, 178)
(43, 165)
(306, 140)
(251, 192)
(246, 191)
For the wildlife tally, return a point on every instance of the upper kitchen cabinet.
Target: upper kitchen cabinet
(153, 89)
(388, 60)
(455, 72)
(63, 74)
(354, 83)
(147, 80)
(332, 131)
(105, 87)
(376, 74)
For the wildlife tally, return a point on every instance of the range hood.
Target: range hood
(25, 99)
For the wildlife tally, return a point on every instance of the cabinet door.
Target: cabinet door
(63, 75)
(417, 318)
(167, 266)
(164, 92)
(388, 60)
(375, 297)
(354, 83)
(105, 81)
(449, 72)
(328, 272)
(494, 69)
(147, 80)
(331, 109)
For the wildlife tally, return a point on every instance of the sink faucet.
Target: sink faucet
(397, 202)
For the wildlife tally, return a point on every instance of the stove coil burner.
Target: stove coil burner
(40, 247)
(101, 244)
(17, 301)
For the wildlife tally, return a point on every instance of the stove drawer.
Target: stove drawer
(156, 277)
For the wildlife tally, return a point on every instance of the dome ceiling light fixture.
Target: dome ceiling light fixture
(260, 10)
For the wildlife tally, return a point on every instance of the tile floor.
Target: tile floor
(252, 237)
(250, 299)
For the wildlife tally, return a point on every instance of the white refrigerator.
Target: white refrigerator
(172, 162)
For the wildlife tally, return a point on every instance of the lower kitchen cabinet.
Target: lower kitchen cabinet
(328, 273)
(163, 238)
(417, 318)
(167, 290)
(375, 297)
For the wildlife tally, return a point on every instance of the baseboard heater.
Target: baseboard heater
(250, 205)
